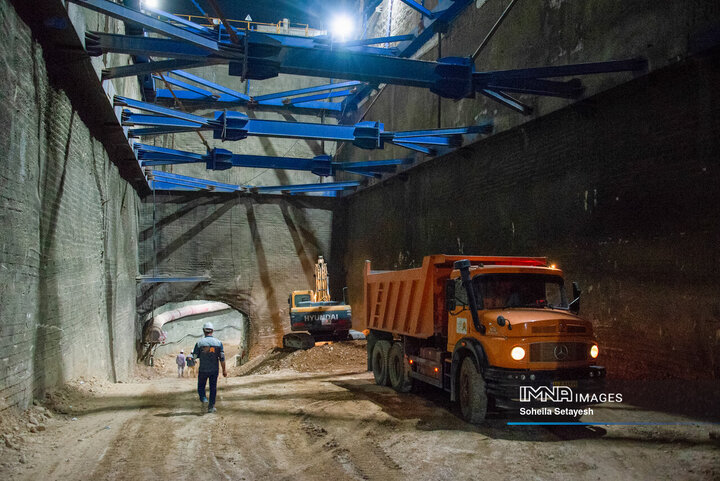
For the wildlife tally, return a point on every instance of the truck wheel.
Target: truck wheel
(399, 369)
(471, 392)
(380, 362)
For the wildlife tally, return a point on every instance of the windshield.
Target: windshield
(498, 291)
(302, 298)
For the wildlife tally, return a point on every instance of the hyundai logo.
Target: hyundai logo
(561, 352)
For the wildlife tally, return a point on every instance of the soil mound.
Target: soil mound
(330, 357)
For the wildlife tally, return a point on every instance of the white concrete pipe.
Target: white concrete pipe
(155, 333)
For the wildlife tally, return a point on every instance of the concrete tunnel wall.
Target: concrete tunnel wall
(621, 191)
(68, 241)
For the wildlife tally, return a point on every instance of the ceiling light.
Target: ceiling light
(342, 27)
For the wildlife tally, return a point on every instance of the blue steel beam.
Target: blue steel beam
(183, 180)
(153, 67)
(221, 159)
(209, 84)
(230, 125)
(307, 187)
(275, 102)
(173, 18)
(419, 8)
(443, 15)
(310, 98)
(147, 22)
(186, 86)
(160, 279)
(157, 109)
(308, 90)
(160, 180)
(374, 41)
(449, 77)
(97, 43)
(276, 105)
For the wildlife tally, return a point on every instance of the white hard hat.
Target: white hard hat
(181, 351)
(208, 326)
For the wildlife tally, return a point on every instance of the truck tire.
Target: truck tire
(380, 362)
(399, 369)
(472, 395)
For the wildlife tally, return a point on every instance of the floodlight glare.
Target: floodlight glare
(151, 3)
(342, 27)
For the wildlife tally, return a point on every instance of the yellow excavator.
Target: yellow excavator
(314, 316)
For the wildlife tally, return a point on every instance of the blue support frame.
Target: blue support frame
(269, 55)
(230, 125)
(159, 180)
(419, 8)
(276, 102)
(149, 23)
(161, 279)
(221, 159)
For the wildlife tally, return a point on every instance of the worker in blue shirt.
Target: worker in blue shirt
(209, 351)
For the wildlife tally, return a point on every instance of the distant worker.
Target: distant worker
(209, 351)
(190, 362)
(180, 361)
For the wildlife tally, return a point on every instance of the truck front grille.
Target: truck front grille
(558, 351)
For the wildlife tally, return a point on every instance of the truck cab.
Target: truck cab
(526, 331)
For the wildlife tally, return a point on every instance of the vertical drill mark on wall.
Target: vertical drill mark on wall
(306, 259)
(388, 30)
(107, 268)
(265, 278)
(48, 295)
(39, 103)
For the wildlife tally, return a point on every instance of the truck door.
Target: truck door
(459, 319)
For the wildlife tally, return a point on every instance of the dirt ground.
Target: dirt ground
(318, 415)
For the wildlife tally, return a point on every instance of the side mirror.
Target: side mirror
(450, 295)
(575, 303)
(290, 300)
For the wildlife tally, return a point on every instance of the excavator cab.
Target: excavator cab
(314, 316)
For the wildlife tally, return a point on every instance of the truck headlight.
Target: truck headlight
(594, 351)
(517, 353)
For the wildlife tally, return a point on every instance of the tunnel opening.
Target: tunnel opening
(176, 326)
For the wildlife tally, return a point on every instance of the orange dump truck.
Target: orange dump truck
(481, 328)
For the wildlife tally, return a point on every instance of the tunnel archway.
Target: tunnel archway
(176, 326)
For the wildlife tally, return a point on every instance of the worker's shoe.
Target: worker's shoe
(204, 400)
(211, 409)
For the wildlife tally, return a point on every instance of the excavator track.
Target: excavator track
(298, 340)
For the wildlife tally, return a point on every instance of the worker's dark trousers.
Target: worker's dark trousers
(203, 377)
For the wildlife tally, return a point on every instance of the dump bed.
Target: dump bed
(411, 302)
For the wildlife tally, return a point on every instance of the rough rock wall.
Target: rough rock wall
(621, 191)
(256, 250)
(68, 254)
